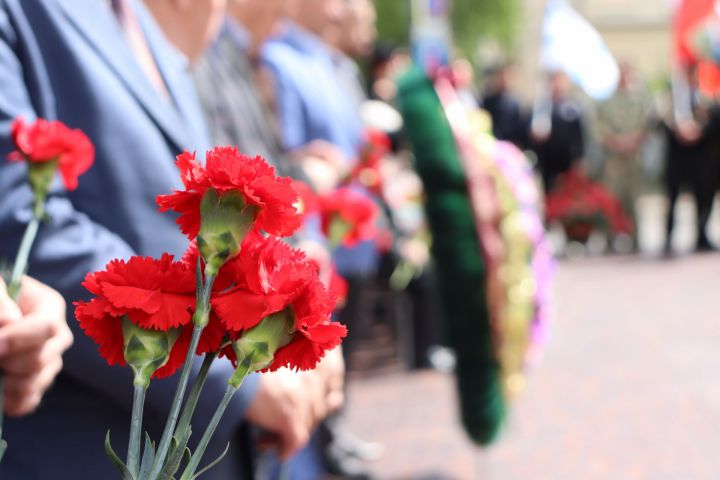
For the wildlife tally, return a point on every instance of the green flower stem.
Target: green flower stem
(200, 450)
(200, 319)
(167, 435)
(20, 265)
(133, 458)
(194, 395)
(13, 288)
(202, 310)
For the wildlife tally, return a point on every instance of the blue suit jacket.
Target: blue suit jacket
(68, 60)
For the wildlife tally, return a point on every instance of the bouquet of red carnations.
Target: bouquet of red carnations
(239, 292)
(582, 205)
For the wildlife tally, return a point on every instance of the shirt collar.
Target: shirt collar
(238, 34)
(303, 39)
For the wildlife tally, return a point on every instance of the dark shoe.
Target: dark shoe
(704, 245)
(668, 252)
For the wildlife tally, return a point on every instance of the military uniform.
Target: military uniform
(623, 121)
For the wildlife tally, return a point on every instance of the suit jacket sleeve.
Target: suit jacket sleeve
(70, 244)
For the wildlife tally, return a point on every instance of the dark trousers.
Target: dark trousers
(694, 166)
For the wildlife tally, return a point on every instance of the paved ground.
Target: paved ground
(629, 387)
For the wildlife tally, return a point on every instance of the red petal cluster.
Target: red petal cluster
(157, 294)
(368, 171)
(578, 199)
(353, 207)
(307, 200)
(269, 277)
(44, 141)
(227, 170)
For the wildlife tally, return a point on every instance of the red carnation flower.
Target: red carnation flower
(307, 200)
(270, 277)
(227, 171)
(348, 216)
(45, 141)
(154, 294)
(337, 285)
(368, 171)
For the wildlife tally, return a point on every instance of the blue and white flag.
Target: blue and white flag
(571, 43)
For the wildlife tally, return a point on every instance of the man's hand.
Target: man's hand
(331, 372)
(33, 337)
(291, 404)
(282, 406)
(323, 163)
(688, 131)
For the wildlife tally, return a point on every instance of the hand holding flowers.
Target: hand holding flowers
(236, 294)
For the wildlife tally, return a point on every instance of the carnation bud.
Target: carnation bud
(224, 222)
(41, 176)
(256, 348)
(338, 230)
(146, 350)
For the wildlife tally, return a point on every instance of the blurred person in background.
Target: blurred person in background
(316, 107)
(622, 124)
(387, 62)
(353, 42)
(228, 78)
(692, 159)
(33, 337)
(559, 145)
(509, 122)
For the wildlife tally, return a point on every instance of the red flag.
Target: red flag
(688, 20)
(688, 16)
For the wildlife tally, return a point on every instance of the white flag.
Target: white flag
(571, 43)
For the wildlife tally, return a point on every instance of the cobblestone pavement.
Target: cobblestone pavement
(629, 387)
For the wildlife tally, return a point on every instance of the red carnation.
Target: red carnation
(348, 216)
(154, 294)
(271, 277)
(45, 141)
(227, 171)
(368, 171)
(307, 200)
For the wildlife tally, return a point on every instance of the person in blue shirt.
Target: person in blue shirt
(318, 114)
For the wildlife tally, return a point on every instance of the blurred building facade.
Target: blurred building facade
(638, 31)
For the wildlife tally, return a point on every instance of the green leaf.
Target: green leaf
(213, 463)
(126, 475)
(175, 456)
(147, 458)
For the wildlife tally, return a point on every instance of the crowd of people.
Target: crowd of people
(145, 81)
(567, 130)
(281, 79)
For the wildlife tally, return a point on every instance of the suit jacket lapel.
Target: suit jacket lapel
(174, 70)
(95, 21)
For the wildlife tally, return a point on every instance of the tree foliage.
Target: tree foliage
(472, 21)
